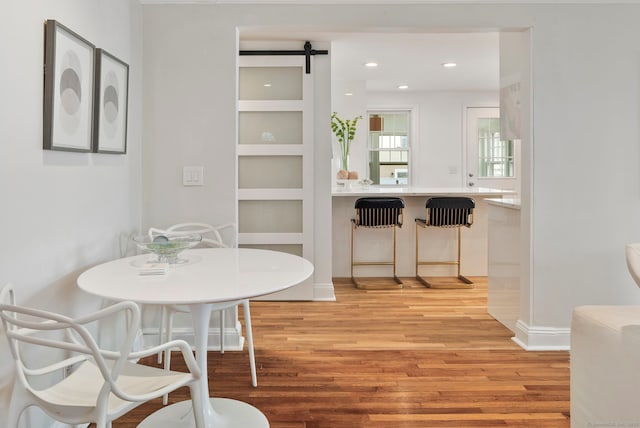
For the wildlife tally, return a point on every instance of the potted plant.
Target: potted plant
(345, 131)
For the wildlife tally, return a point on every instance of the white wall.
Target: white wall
(438, 148)
(61, 212)
(583, 177)
(190, 119)
(438, 144)
(584, 190)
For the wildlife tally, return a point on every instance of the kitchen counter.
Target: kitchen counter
(503, 301)
(437, 243)
(354, 189)
(512, 203)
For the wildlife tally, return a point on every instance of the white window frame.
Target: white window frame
(411, 136)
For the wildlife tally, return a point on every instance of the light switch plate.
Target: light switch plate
(193, 176)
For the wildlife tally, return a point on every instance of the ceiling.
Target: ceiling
(388, 2)
(416, 60)
(413, 59)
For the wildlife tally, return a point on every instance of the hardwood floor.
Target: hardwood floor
(414, 357)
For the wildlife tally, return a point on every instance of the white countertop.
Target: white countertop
(512, 203)
(355, 189)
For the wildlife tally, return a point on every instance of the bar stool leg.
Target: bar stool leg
(417, 253)
(352, 230)
(395, 276)
(462, 278)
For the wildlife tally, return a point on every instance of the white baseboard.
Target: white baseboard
(324, 292)
(542, 338)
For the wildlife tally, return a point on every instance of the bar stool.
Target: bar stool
(445, 212)
(378, 213)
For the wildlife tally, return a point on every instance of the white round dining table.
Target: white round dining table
(206, 277)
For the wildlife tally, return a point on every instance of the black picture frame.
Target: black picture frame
(111, 104)
(68, 104)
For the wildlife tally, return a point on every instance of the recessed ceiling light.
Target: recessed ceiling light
(348, 94)
(267, 85)
(403, 87)
(370, 64)
(449, 64)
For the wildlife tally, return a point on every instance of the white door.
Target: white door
(491, 162)
(275, 159)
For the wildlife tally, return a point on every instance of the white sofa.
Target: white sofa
(605, 361)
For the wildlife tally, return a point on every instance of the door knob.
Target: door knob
(471, 183)
(471, 174)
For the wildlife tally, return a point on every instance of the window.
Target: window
(495, 156)
(389, 147)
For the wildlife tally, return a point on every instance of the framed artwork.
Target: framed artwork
(510, 112)
(68, 90)
(111, 98)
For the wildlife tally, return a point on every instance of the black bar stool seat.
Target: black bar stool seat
(445, 212)
(377, 213)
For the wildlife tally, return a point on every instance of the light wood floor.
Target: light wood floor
(415, 357)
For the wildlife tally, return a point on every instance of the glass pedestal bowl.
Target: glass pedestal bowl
(167, 248)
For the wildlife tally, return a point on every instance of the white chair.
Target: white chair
(632, 253)
(211, 237)
(605, 350)
(86, 383)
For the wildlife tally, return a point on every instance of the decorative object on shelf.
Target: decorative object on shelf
(345, 130)
(342, 185)
(375, 123)
(365, 183)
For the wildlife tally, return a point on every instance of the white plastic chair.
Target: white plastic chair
(211, 237)
(632, 253)
(86, 383)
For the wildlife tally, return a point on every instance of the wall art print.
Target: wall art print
(68, 90)
(110, 110)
